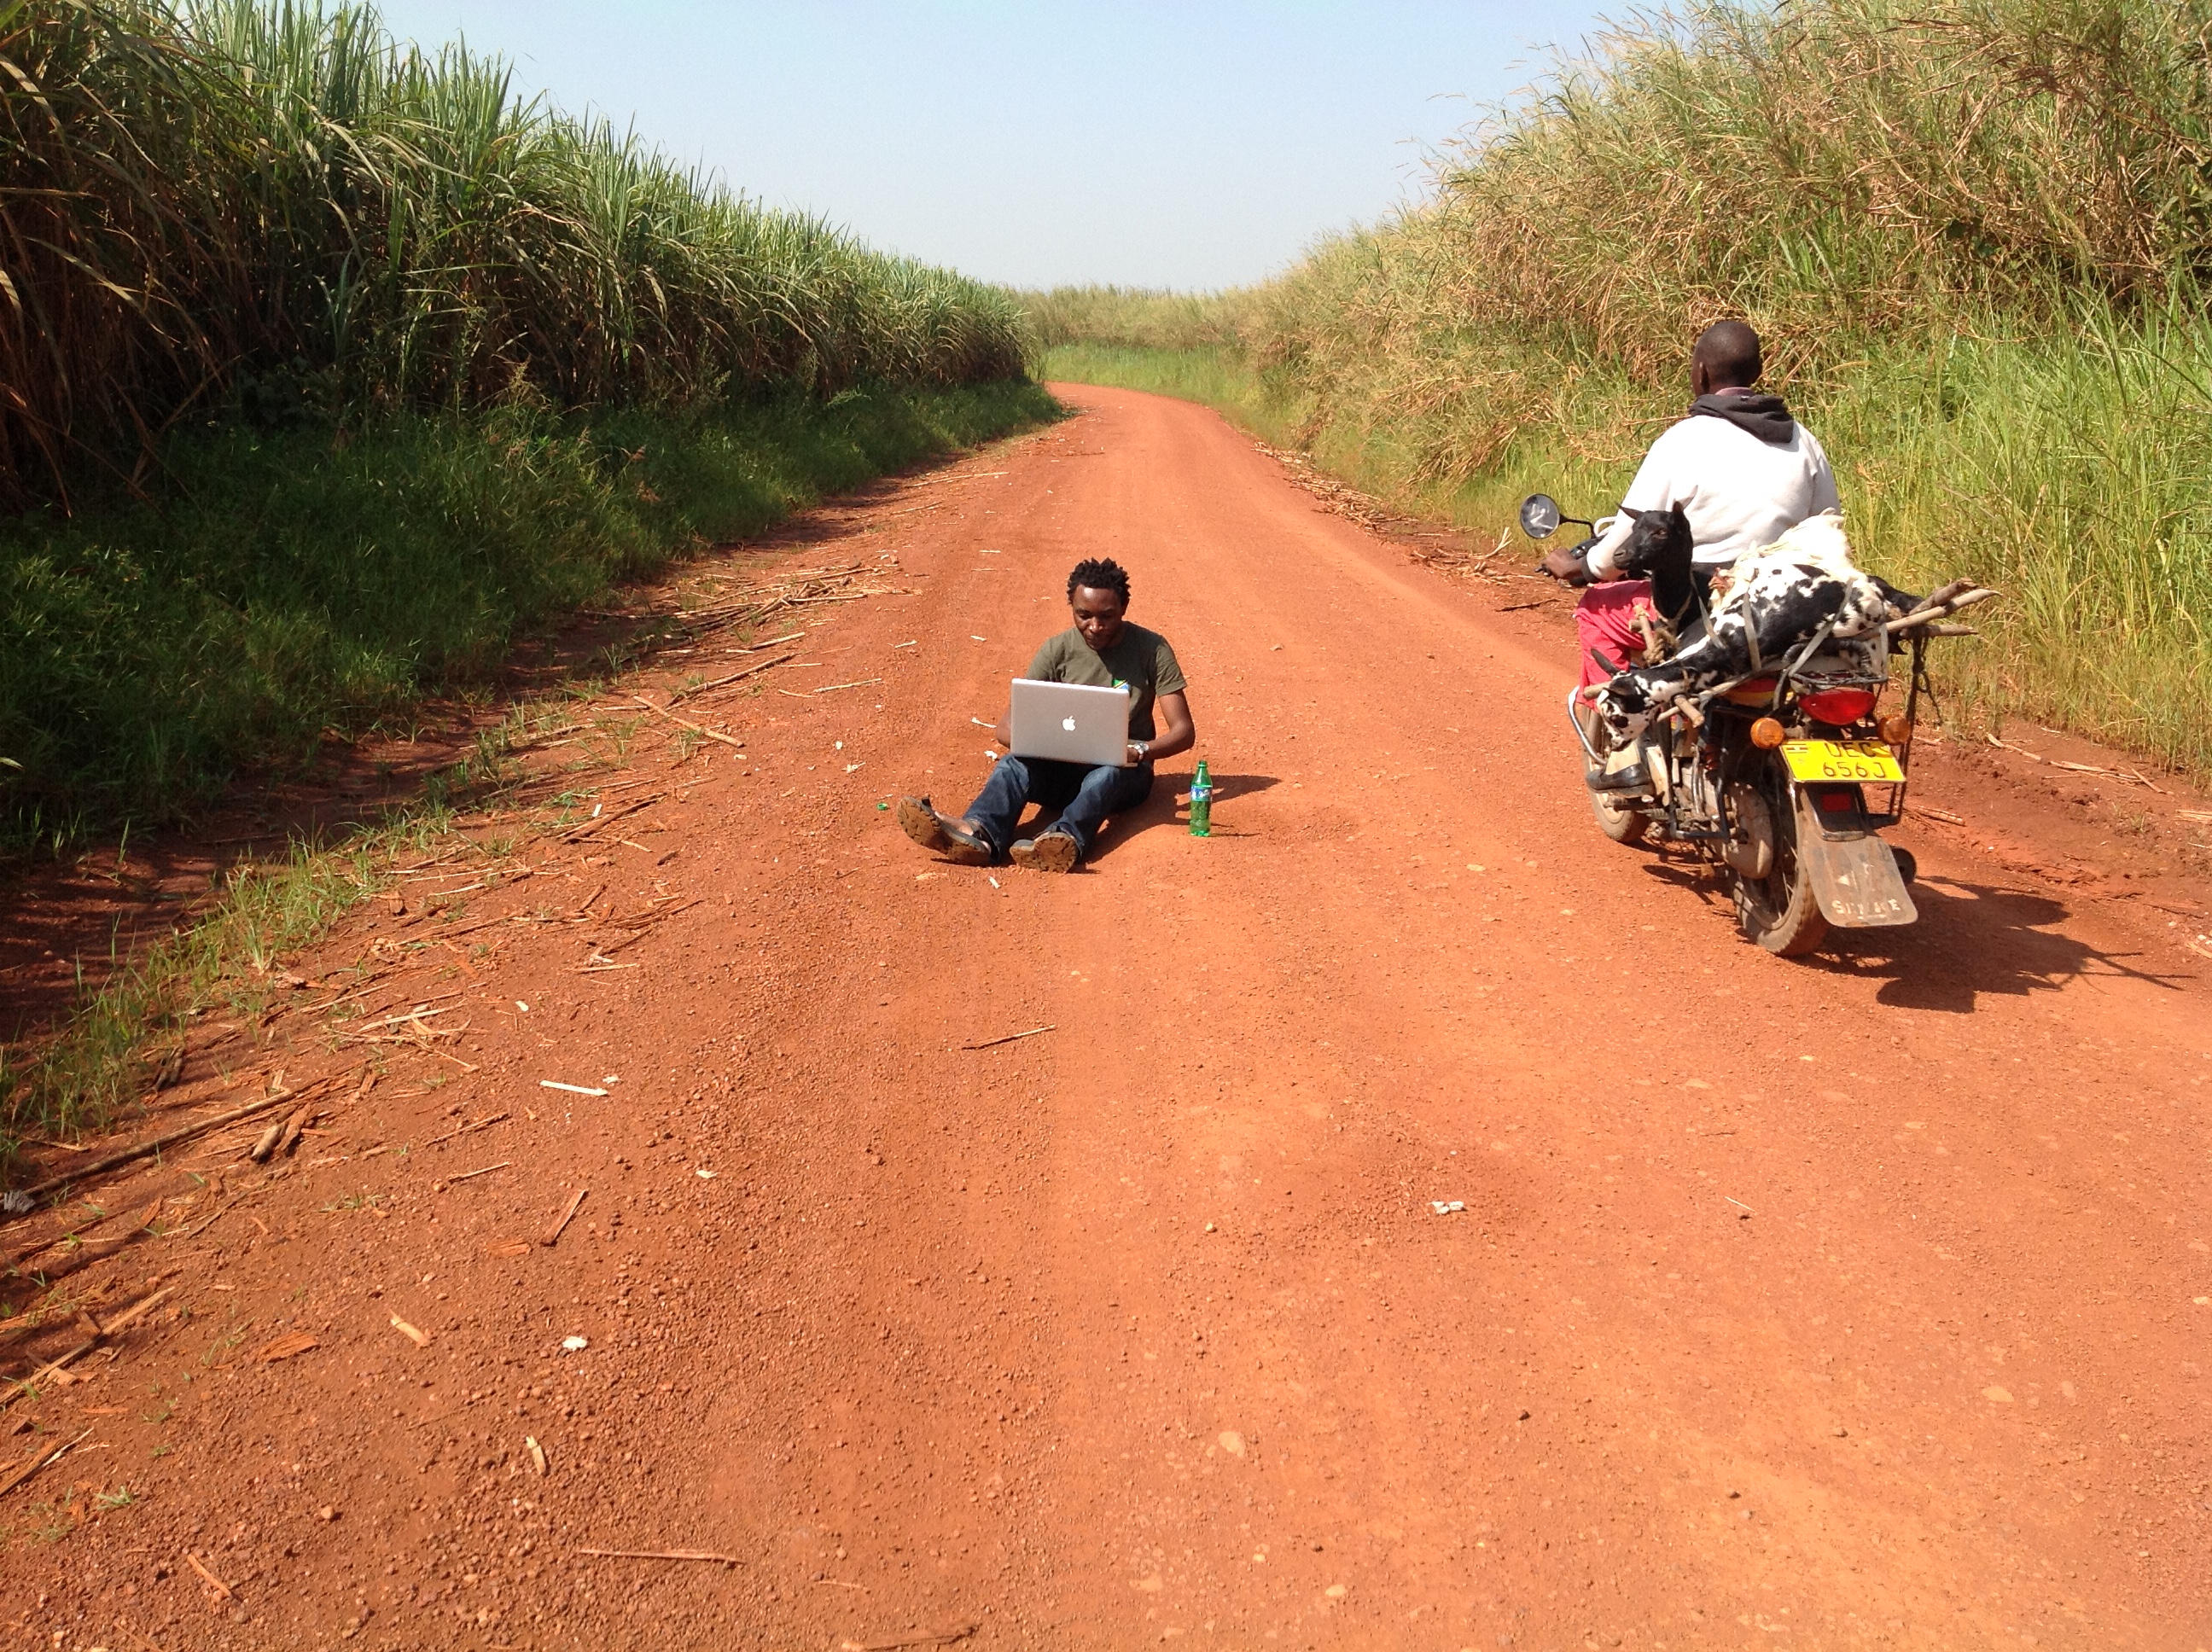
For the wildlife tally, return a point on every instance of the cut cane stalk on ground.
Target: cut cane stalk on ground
(85, 1074)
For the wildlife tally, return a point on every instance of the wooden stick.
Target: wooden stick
(662, 1554)
(481, 923)
(553, 1234)
(1050, 1026)
(919, 1638)
(119, 1322)
(862, 684)
(481, 1124)
(261, 1149)
(225, 1209)
(167, 1138)
(420, 1012)
(420, 1004)
(414, 1333)
(35, 1464)
(221, 1589)
(591, 827)
(100, 1249)
(82, 1227)
(680, 722)
(468, 1175)
(723, 681)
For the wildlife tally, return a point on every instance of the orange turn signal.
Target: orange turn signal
(1897, 729)
(1767, 734)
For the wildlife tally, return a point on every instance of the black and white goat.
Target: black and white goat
(1776, 601)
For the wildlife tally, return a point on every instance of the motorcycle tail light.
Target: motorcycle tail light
(1766, 733)
(1838, 706)
(1897, 729)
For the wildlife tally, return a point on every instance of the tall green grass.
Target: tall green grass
(277, 200)
(1975, 233)
(1135, 318)
(328, 366)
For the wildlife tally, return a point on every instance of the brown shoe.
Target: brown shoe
(1047, 852)
(920, 821)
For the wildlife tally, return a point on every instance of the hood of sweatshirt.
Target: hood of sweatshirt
(1753, 410)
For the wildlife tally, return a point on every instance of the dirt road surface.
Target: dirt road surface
(1859, 1301)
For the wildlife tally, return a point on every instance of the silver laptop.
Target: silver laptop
(1070, 721)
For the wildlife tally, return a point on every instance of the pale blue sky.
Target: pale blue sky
(1191, 145)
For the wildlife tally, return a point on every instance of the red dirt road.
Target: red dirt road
(1857, 1302)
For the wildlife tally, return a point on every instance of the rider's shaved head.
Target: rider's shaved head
(1728, 351)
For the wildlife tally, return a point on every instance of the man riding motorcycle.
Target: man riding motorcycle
(1739, 467)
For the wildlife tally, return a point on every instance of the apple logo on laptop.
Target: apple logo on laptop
(1068, 723)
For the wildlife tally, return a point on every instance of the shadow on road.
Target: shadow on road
(1973, 939)
(1164, 808)
(1686, 872)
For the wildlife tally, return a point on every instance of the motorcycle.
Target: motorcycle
(1784, 777)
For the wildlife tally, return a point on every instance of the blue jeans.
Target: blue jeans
(1085, 798)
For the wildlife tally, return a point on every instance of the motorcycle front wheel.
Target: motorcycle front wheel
(1779, 911)
(1622, 823)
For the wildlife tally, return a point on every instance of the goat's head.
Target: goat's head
(1660, 542)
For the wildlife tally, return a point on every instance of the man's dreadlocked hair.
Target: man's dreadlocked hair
(1099, 573)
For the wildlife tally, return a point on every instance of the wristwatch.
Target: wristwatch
(1142, 748)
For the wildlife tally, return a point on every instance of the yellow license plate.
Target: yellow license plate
(1841, 760)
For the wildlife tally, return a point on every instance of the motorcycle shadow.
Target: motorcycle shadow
(1686, 872)
(1974, 939)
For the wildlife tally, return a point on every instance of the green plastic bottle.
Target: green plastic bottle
(1201, 802)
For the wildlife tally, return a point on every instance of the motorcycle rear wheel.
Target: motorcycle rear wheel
(1779, 911)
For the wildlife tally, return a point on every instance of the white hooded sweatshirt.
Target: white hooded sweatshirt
(1739, 492)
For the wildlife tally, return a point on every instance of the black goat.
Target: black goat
(1659, 548)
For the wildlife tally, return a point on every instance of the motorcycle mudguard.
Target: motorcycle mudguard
(1853, 874)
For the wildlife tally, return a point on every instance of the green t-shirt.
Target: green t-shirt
(1141, 661)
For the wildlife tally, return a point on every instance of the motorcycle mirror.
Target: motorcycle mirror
(1539, 516)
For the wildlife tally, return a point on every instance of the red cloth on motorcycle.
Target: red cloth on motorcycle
(1605, 619)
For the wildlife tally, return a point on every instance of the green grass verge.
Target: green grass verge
(226, 959)
(2066, 470)
(290, 585)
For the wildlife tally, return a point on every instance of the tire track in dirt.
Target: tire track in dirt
(1145, 1328)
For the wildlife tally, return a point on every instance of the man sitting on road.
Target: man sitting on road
(1742, 471)
(1103, 650)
